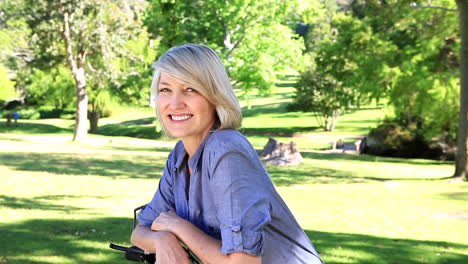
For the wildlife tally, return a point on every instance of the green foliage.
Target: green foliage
(14, 46)
(56, 113)
(29, 113)
(102, 102)
(251, 36)
(53, 88)
(432, 102)
(7, 87)
(132, 87)
(356, 57)
(394, 140)
(323, 95)
(397, 51)
(420, 76)
(339, 77)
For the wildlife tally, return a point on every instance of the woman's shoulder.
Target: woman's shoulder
(226, 137)
(228, 140)
(227, 134)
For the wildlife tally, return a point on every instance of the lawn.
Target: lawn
(64, 202)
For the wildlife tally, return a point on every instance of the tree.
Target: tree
(340, 77)
(423, 87)
(461, 167)
(14, 50)
(251, 36)
(110, 76)
(87, 34)
(324, 95)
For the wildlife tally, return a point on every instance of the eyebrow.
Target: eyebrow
(164, 83)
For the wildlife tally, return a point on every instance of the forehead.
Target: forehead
(166, 79)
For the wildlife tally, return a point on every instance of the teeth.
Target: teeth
(179, 118)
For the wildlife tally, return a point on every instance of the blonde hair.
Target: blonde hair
(199, 67)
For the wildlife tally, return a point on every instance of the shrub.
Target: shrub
(55, 113)
(394, 140)
(29, 113)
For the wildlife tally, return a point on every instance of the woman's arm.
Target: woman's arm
(164, 244)
(204, 246)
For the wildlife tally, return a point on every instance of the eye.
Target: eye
(164, 90)
(190, 90)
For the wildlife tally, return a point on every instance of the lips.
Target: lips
(180, 117)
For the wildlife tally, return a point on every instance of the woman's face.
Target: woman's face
(185, 113)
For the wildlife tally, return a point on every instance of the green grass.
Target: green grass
(63, 202)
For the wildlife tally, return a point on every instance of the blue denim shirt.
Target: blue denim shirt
(231, 197)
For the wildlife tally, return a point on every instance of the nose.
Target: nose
(177, 101)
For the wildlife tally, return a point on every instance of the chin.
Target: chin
(177, 133)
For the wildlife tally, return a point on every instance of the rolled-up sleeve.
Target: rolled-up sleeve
(241, 206)
(163, 199)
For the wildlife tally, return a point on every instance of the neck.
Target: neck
(191, 144)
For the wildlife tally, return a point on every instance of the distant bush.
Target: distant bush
(55, 113)
(29, 113)
(394, 140)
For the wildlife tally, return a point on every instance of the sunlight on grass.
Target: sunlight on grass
(65, 202)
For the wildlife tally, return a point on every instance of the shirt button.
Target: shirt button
(236, 228)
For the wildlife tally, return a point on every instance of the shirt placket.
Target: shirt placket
(182, 204)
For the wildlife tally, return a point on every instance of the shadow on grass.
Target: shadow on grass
(366, 249)
(264, 109)
(147, 131)
(362, 122)
(370, 158)
(70, 241)
(37, 203)
(285, 84)
(293, 175)
(286, 176)
(144, 149)
(459, 196)
(86, 241)
(33, 128)
(277, 131)
(141, 121)
(143, 167)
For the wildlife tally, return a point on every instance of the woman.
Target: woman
(215, 195)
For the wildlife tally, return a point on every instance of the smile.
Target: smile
(180, 118)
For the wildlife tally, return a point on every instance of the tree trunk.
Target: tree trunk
(77, 69)
(326, 122)
(81, 126)
(336, 114)
(93, 121)
(461, 167)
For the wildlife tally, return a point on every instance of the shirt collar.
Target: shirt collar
(181, 153)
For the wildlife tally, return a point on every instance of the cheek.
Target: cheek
(206, 106)
(161, 103)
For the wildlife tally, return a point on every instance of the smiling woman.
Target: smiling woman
(215, 196)
(184, 112)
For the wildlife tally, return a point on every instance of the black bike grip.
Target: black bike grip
(117, 247)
